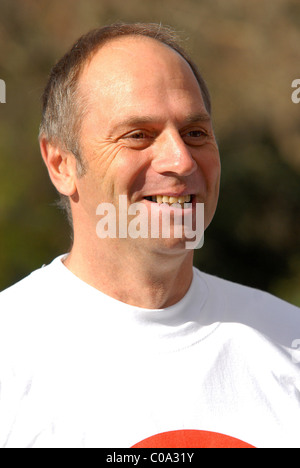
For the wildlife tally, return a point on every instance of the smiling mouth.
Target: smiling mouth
(170, 200)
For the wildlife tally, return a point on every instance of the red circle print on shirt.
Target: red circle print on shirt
(191, 439)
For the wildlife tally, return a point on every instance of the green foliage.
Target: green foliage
(249, 54)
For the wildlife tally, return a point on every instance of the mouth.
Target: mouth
(170, 200)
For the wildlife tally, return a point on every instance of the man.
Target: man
(120, 342)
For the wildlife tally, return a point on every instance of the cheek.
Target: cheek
(130, 171)
(211, 168)
(103, 161)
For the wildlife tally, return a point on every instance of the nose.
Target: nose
(172, 156)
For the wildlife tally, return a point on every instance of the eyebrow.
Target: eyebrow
(201, 117)
(135, 121)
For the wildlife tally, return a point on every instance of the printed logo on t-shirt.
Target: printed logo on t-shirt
(191, 439)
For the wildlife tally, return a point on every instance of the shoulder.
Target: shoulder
(30, 294)
(243, 297)
(28, 312)
(270, 316)
(24, 287)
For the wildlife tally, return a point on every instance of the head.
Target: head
(63, 108)
(99, 79)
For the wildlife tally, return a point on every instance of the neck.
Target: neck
(151, 279)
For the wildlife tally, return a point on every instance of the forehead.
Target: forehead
(137, 71)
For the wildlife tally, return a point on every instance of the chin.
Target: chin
(170, 246)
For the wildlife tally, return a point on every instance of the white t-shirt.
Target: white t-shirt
(81, 369)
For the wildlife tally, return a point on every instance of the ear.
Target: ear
(61, 166)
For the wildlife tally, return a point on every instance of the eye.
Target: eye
(195, 137)
(137, 135)
(139, 139)
(196, 133)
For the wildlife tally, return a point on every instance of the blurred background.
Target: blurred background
(248, 52)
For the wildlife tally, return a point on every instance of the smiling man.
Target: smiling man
(146, 133)
(121, 342)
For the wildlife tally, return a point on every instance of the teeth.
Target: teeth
(171, 200)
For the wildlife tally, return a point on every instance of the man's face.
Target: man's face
(147, 132)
